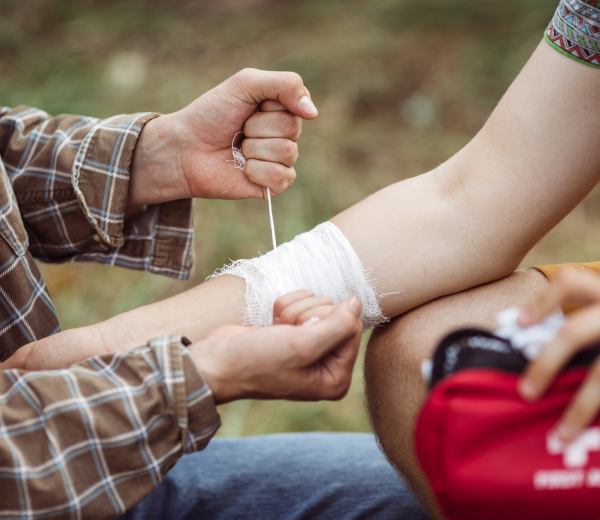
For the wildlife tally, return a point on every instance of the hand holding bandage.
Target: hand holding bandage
(295, 362)
(185, 154)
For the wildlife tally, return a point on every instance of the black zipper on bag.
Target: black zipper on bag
(478, 348)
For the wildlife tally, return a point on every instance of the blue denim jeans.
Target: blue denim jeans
(316, 476)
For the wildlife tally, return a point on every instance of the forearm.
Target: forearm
(193, 313)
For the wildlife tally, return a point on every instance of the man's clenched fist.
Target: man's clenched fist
(186, 154)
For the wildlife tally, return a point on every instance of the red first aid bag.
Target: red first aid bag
(490, 455)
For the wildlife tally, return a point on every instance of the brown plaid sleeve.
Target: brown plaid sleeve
(70, 176)
(92, 441)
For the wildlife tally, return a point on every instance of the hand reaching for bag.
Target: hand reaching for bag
(580, 331)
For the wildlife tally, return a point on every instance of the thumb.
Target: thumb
(328, 334)
(18, 359)
(255, 86)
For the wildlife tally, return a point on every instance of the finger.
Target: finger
(256, 86)
(271, 105)
(271, 175)
(334, 371)
(291, 313)
(273, 124)
(329, 334)
(287, 299)
(333, 374)
(584, 407)
(575, 335)
(18, 359)
(278, 150)
(569, 285)
(316, 312)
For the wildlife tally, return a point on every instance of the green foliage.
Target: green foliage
(401, 86)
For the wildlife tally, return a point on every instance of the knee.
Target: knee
(393, 383)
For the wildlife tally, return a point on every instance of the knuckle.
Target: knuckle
(294, 79)
(247, 72)
(286, 316)
(290, 124)
(291, 177)
(289, 151)
(278, 174)
(244, 75)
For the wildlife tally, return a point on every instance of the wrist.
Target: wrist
(155, 173)
(215, 372)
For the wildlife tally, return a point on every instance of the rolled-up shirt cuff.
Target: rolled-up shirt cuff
(100, 172)
(159, 239)
(189, 395)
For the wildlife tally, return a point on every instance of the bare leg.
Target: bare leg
(394, 354)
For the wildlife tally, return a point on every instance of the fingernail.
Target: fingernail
(527, 390)
(564, 432)
(276, 320)
(312, 320)
(308, 106)
(354, 304)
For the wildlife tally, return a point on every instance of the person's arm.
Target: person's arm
(119, 190)
(468, 222)
(472, 219)
(70, 185)
(94, 439)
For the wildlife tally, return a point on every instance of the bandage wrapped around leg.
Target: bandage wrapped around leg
(321, 260)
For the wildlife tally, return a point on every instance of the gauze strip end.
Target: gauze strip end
(321, 260)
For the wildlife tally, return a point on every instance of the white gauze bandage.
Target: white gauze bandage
(321, 260)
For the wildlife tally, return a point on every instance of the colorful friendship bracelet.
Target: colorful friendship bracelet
(575, 30)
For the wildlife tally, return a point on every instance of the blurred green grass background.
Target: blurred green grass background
(400, 85)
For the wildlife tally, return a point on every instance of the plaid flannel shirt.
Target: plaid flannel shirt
(63, 191)
(93, 440)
